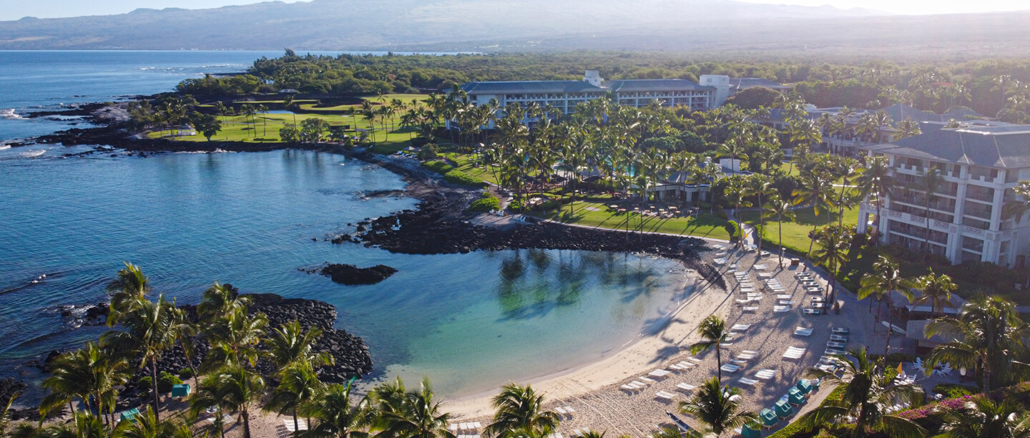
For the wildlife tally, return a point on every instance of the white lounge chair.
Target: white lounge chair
(747, 381)
(750, 309)
(659, 373)
(765, 374)
(685, 387)
(665, 395)
(810, 311)
(802, 331)
(838, 338)
(840, 331)
(730, 368)
(781, 309)
(740, 327)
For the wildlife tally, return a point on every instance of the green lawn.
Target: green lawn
(465, 164)
(264, 128)
(795, 233)
(593, 211)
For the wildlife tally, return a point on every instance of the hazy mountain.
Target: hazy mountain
(378, 24)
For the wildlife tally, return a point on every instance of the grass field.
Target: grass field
(264, 128)
(795, 233)
(593, 211)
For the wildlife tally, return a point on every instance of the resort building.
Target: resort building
(962, 220)
(565, 95)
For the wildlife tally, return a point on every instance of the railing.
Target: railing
(971, 231)
(940, 225)
(979, 196)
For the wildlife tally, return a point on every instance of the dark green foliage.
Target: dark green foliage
(289, 134)
(754, 98)
(458, 177)
(438, 167)
(733, 229)
(671, 144)
(951, 390)
(185, 373)
(211, 86)
(693, 143)
(485, 204)
(166, 380)
(429, 151)
(146, 383)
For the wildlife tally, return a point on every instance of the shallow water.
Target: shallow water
(468, 321)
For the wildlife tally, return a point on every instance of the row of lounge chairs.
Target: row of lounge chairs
(784, 407)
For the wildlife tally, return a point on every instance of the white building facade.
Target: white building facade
(565, 95)
(963, 220)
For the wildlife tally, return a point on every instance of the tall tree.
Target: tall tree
(148, 332)
(935, 290)
(716, 407)
(337, 418)
(881, 281)
(520, 413)
(929, 182)
(713, 334)
(867, 394)
(298, 385)
(876, 181)
(987, 336)
(232, 388)
(290, 344)
(780, 209)
(834, 244)
(129, 286)
(815, 190)
(91, 374)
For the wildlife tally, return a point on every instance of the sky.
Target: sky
(15, 9)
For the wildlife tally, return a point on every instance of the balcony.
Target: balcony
(947, 206)
(980, 194)
(978, 213)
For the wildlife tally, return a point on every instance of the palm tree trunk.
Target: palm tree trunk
(246, 423)
(153, 376)
(718, 360)
(890, 328)
(811, 241)
(781, 241)
(761, 224)
(296, 425)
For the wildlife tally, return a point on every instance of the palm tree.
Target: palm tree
(885, 278)
(876, 181)
(288, 105)
(717, 408)
(760, 185)
(129, 286)
(261, 109)
(290, 345)
(986, 335)
(815, 190)
(298, 384)
(1017, 207)
(232, 388)
(185, 332)
(713, 334)
(834, 243)
(234, 340)
(520, 412)
(336, 417)
(5, 419)
(148, 332)
(90, 374)
(220, 301)
(411, 414)
(907, 128)
(929, 183)
(780, 209)
(936, 291)
(867, 394)
(986, 418)
(736, 193)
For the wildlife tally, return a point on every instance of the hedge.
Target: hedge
(438, 166)
(459, 177)
(165, 382)
(952, 390)
(485, 204)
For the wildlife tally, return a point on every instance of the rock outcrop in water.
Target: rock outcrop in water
(352, 275)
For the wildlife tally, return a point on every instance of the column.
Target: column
(954, 250)
(960, 202)
(996, 206)
(990, 253)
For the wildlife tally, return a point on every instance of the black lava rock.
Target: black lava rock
(353, 275)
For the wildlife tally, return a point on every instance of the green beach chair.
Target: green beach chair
(805, 386)
(129, 415)
(748, 432)
(181, 391)
(815, 384)
(796, 397)
(769, 418)
(784, 409)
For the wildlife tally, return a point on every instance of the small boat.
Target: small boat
(893, 327)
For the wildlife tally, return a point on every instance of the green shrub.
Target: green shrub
(165, 382)
(485, 204)
(438, 167)
(428, 152)
(733, 229)
(185, 373)
(146, 383)
(459, 177)
(951, 390)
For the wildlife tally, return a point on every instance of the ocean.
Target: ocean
(470, 322)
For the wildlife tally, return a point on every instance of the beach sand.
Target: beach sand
(594, 392)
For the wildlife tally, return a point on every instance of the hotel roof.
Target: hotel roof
(625, 86)
(1003, 146)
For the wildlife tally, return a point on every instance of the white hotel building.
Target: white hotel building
(565, 95)
(980, 165)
